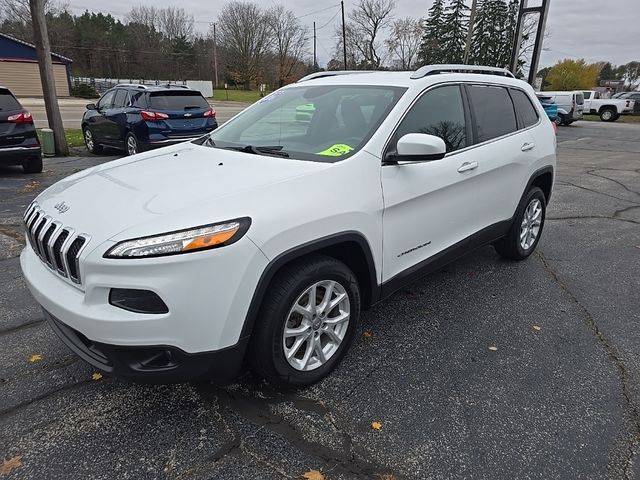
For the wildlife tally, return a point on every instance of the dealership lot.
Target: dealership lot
(556, 396)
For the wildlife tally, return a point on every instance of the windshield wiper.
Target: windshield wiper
(275, 150)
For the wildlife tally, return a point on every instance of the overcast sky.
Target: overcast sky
(589, 29)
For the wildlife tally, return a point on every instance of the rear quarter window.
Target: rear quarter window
(493, 111)
(525, 109)
(177, 100)
(8, 101)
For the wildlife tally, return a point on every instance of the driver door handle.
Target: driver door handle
(528, 146)
(467, 166)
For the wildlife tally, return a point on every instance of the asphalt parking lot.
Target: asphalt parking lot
(558, 397)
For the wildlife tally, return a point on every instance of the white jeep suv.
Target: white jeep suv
(264, 240)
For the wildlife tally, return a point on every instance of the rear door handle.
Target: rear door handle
(467, 166)
(528, 146)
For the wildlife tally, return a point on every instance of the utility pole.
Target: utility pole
(43, 51)
(215, 56)
(315, 62)
(344, 37)
(472, 19)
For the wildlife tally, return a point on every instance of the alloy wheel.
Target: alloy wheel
(88, 139)
(316, 325)
(132, 145)
(531, 222)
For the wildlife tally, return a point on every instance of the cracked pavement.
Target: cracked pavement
(557, 402)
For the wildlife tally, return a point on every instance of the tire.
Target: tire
(131, 145)
(512, 246)
(290, 288)
(616, 117)
(558, 120)
(90, 141)
(608, 115)
(32, 165)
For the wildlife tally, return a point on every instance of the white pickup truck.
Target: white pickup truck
(609, 109)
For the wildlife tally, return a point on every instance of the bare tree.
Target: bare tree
(404, 41)
(246, 35)
(368, 20)
(173, 22)
(19, 9)
(289, 42)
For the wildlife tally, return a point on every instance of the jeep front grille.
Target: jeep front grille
(57, 245)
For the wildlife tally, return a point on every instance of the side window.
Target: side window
(106, 100)
(438, 112)
(121, 99)
(524, 107)
(493, 111)
(587, 95)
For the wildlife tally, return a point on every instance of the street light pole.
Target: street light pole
(472, 19)
(344, 37)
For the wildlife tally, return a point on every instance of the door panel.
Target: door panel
(426, 204)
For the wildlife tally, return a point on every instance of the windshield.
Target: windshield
(320, 123)
(177, 100)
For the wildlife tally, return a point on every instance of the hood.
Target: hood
(105, 200)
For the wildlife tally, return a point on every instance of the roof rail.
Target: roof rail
(135, 85)
(332, 73)
(435, 69)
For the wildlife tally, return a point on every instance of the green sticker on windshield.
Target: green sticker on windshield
(336, 150)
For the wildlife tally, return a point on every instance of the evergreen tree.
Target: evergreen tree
(431, 47)
(480, 41)
(454, 31)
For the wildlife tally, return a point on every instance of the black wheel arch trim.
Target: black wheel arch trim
(298, 252)
(538, 173)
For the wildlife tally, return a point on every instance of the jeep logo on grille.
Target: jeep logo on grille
(61, 207)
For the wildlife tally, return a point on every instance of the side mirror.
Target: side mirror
(418, 147)
(91, 106)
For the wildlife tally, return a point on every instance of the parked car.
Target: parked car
(136, 118)
(609, 109)
(19, 143)
(635, 96)
(570, 106)
(550, 107)
(266, 240)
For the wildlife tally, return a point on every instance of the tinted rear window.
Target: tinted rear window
(8, 101)
(177, 100)
(524, 107)
(493, 111)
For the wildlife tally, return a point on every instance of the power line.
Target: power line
(330, 20)
(318, 11)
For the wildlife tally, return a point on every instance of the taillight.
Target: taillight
(210, 113)
(153, 116)
(22, 117)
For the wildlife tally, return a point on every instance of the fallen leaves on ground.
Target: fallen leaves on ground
(366, 333)
(537, 327)
(8, 465)
(493, 349)
(35, 358)
(376, 425)
(30, 186)
(313, 475)
(96, 376)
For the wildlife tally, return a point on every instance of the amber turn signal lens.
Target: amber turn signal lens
(206, 241)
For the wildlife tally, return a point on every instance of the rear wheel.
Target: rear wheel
(32, 165)
(131, 144)
(306, 323)
(90, 141)
(526, 229)
(608, 115)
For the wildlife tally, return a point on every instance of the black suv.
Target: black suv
(19, 143)
(134, 118)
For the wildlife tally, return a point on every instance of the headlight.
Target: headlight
(182, 241)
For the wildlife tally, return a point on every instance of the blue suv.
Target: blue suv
(135, 118)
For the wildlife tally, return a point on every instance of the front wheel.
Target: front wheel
(526, 229)
(306, 323)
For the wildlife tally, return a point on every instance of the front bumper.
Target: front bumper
(152, 364)
(207, 294)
